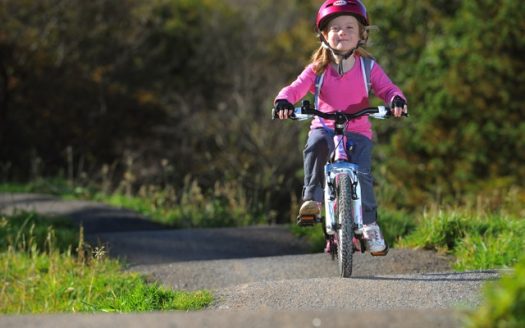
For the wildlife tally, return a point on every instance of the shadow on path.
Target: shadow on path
(166, 246)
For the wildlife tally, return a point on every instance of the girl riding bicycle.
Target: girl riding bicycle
(338, 76)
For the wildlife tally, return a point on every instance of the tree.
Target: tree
(466, 134)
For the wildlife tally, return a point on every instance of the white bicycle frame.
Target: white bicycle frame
(331, 171)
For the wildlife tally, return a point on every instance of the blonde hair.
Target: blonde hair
(322, 57)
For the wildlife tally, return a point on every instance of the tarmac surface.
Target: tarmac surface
(260, 276)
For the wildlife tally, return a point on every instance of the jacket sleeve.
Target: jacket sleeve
(300, 87)
(383, 86)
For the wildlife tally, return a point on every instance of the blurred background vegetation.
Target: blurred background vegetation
(170, 99)
(163, 106)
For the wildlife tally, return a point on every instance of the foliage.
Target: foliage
(187, 207)
(395, 225)
(39, 274)
(159, 90)
(504, 303)
(314, 236)
(42, 283)
(464, 80)
(16, 230)
(135, 93)
(190, 207)
(478, 241)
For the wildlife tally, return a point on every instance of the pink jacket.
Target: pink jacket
(345, 93)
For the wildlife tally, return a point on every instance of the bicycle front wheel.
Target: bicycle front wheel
(345, 232)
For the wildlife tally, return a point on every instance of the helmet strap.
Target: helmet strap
(340, 65)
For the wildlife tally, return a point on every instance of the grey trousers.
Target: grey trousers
(318, 148)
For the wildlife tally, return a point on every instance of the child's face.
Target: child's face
(342, 33)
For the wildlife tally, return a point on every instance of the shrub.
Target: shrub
(504, 304)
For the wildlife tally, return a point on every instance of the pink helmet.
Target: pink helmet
(333, 8)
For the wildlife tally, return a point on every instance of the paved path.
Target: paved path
(244, 319)
(262, 276)
(95, 217)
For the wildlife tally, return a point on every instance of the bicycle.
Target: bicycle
(343, 221)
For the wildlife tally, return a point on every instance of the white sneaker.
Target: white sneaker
(374, 239)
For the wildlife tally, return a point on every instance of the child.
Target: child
(342, 27)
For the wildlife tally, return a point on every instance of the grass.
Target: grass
(478, 241)
(314, 236)
(226, 205)
(26, 230)
(395, 225)
(53, 282)
(46, 267)
(52, 186)
(202, 212)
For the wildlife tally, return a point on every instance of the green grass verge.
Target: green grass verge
(53, 186)
(190, 207)
(54, 282)
(40, 273)
(205, 213)
(26, 230)
(478, 241)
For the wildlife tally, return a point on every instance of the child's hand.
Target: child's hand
(399, 106)
(283, 109)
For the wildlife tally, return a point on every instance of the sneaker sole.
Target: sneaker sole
(307, 220)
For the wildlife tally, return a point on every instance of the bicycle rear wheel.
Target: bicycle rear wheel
(345, 232)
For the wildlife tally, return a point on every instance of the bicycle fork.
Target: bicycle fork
(331, 170)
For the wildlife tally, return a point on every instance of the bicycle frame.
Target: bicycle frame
(331, 171)
(340, 164)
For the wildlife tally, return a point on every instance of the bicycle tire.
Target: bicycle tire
(345, 233)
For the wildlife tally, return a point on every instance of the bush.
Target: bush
(504, 304)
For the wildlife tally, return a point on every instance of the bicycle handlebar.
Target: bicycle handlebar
(306, 112)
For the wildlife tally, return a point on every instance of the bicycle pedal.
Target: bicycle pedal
(307, 220)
